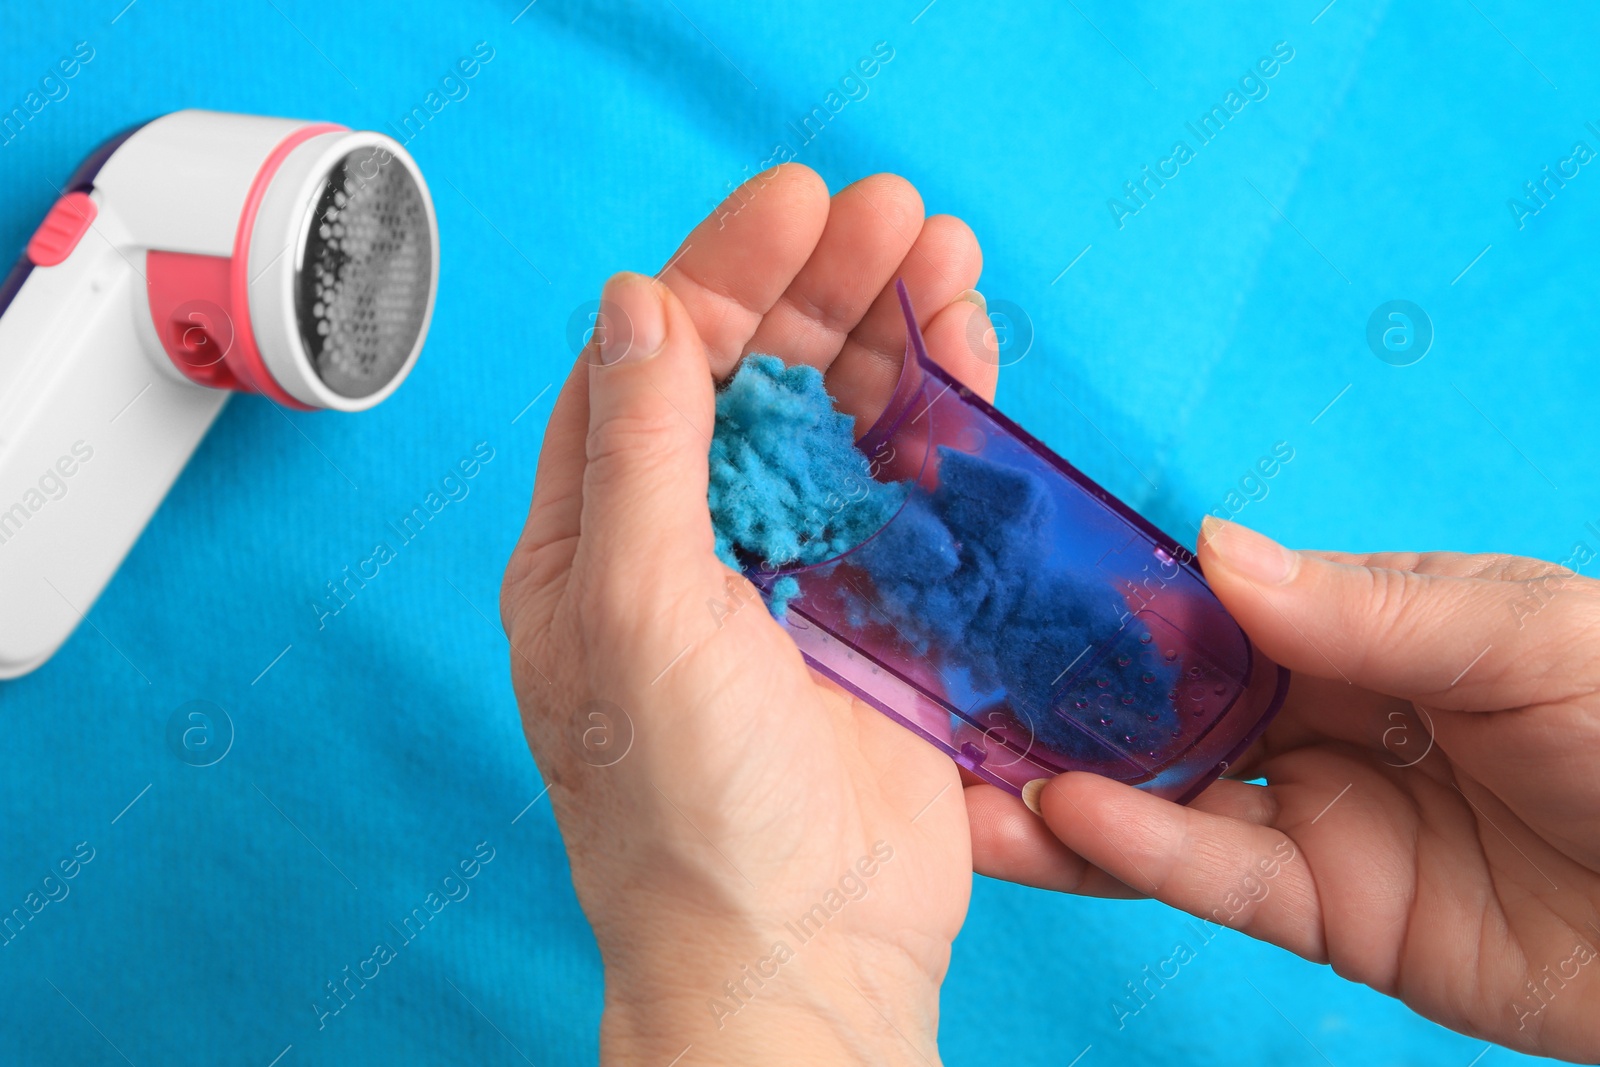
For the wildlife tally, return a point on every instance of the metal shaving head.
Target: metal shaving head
(366, 268)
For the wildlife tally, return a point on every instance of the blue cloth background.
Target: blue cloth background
(375, 753)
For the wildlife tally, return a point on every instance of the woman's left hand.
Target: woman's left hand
(774, 871)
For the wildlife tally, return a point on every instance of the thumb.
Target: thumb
(1449, 640)
(651, 414)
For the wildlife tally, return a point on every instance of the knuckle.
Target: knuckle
(1388, 611)
(1554, 606)
(532, 569)
(1391, 601)
(627, 437)
(636, 452)
(828, 316)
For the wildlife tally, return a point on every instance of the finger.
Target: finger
(1318, 710)
(944, 262)
(1227, 870)
(871, 227)
(1491, 566)
(1449, 642)
(735, 265)
(1254, 804)
(650, 423)
(962, 340)
(1012, 843)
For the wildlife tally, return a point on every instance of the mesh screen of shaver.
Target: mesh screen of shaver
(365, 272)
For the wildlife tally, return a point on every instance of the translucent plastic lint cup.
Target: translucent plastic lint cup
(1022, 618)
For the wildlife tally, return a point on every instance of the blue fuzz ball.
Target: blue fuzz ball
(788, 486)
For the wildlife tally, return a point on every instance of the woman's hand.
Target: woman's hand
(1431, 819)
(774, 871)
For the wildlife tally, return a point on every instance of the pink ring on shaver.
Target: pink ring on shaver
(249, 367)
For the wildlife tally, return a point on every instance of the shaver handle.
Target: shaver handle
(92, 435)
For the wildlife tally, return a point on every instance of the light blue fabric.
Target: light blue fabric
(1221, 318)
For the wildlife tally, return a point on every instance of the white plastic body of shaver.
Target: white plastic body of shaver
(172, 271)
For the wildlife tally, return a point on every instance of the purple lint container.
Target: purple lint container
(1022, 618)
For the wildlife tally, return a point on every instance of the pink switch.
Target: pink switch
(62, 229)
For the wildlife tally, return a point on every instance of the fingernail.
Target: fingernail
(1030, 794)
(1253, 555)
(972, 296)
(640, 320)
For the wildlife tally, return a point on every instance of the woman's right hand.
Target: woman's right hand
(1431, 813)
